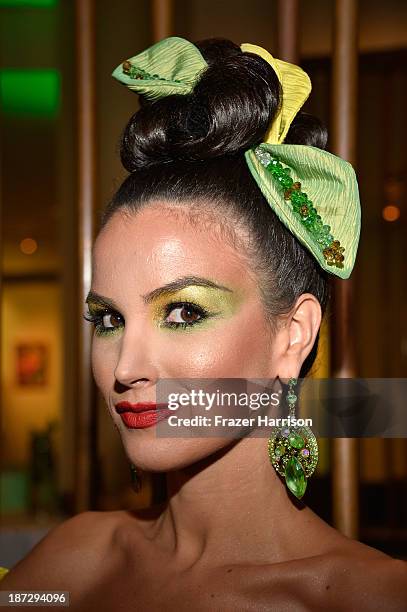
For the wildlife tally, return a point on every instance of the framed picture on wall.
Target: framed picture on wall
(32, 364)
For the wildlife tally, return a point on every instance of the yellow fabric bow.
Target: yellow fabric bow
(295, 87)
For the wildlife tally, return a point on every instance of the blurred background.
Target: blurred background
(61, 117)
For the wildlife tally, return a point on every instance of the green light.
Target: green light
(14, 487)
(30, 92)
(28, 3)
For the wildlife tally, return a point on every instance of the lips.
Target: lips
(142, 414)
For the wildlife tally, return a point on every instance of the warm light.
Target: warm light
(391, 213)
(28, 246)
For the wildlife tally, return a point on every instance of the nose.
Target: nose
(134, 367)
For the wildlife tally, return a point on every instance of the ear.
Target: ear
(296, 335)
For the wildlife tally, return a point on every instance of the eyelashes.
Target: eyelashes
(98, 320)
(189, 313)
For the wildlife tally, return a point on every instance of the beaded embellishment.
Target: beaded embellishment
(134, 72)
(293, 450)
(300, 443)
(303, 208)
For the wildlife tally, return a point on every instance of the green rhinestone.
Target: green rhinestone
(280, 450)
(291, 398)
(295, 440)
(278, 171)
(274, 167)
(295, 477)
(286, 181)
(298, 197)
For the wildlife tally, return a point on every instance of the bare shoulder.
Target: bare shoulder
(69, 549)
(383, 573)
(349, 576)
(366, 578)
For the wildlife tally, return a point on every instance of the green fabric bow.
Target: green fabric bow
(326, 219)
(172, 66)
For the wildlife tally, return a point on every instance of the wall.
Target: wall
(30, 313)
(383, 25)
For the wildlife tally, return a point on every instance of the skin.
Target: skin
(230, 537)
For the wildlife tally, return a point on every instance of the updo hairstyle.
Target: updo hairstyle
(188, 151)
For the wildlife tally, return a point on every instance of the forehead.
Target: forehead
(156, 245)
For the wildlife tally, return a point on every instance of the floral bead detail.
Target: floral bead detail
(134, 72)
(303, 208)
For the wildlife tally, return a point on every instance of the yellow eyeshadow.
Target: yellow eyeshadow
(95, 306)
(214, 301)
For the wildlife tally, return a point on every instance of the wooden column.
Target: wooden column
(86, 466)
(288, 30)
(345, 451)
(1, 298)
(162, 19)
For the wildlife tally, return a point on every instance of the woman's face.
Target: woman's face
(146, 333)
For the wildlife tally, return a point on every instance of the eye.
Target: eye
(111, 320)
(184, 314)
(104, 321)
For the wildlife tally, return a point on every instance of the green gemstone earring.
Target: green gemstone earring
(293, 450)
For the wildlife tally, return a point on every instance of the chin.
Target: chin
(152, 454)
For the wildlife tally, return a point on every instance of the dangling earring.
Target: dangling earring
(293, 450)
(135, 478)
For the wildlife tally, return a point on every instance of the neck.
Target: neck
(232, 502)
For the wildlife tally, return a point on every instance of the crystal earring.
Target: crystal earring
(135, 478)
(293, 450)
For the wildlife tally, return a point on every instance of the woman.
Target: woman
(212, 263)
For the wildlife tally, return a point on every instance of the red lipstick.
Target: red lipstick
(142, 414)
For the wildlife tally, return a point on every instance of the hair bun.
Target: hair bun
(229, 110)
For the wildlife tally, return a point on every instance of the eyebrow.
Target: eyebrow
(172, 287)
(101, 300)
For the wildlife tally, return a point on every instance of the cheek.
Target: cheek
(238, 349)
(104, 359)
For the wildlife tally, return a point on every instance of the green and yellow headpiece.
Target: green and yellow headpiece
(314, 193)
